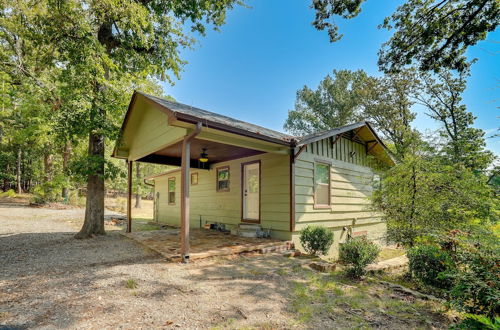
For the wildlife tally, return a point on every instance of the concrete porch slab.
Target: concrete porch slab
(205, 243)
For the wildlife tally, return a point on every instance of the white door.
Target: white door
(251, 191)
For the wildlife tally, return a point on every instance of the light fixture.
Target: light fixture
(203, 156)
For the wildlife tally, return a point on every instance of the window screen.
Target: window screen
(171, 191)
(223, 179)
(321, 184)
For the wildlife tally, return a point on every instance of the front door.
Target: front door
(251, 191)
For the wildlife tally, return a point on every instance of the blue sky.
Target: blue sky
(252, 68)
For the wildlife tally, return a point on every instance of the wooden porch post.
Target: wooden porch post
(185, 166)
(129, 196)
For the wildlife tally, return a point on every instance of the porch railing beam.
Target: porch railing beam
(129, 196)
(185, 166)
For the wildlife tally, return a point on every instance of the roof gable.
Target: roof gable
(184, 113)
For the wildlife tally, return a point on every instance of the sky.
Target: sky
(252, 68)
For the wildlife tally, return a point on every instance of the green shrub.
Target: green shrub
(478, 322)
(46, 192)
(477, 283)
(316, 239)
(9, 193)
(357, 253)
(431, 265)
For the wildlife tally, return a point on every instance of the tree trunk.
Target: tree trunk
(94, 207)
(413, 197)
(138, 183)
(48, 167)
(66, 155)
(6, 183)
(18, 173)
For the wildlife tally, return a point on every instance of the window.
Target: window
(194, 179)
(321, 185)
(376, 182)
(223, 178)
(171, 191)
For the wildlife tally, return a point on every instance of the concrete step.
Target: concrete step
(248, 230)
(249, 226)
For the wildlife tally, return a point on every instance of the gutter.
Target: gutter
(149, 184)
(230, 129)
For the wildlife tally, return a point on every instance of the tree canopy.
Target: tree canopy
(84, 58)
(336, 102)
(431, 35)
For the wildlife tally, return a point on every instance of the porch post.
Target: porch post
(129, 196)
(185, 166)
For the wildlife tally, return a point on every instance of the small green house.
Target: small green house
(231, 172)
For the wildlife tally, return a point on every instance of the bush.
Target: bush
(477, 284)
(357, 253)
(477, 322)
(9, 193)
(316, 239)
(431, 265)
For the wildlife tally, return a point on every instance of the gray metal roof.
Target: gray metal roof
(187, 112)
(323, 134)
(211, 119)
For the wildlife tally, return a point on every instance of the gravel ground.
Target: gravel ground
(50, 280)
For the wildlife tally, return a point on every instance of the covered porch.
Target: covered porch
(169, 133)
(204, 243)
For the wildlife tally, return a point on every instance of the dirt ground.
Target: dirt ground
(50, 280)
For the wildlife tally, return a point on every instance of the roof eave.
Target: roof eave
(226, 128)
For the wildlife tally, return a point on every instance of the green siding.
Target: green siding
(225, 207)
(147, 131)
(351, 189)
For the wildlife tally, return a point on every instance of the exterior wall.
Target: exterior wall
(147, 130)
(225, 207)
(350, 185)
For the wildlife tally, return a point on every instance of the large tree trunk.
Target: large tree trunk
(18, 172)
(94, 208)
(66, 155)
(138, 183)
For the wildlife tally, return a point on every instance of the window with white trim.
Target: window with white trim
(322, 185)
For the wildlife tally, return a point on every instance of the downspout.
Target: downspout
(293, 144)
(185, 166)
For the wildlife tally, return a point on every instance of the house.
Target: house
(232, 172)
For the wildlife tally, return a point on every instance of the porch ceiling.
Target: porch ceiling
(217, 152)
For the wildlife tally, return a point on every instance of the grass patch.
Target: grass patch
(389, 253)
(142, 224)
(131, 284)
(4, 315)
(334, 301)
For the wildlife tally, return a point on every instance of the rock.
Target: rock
(323, 266)
(291, 254)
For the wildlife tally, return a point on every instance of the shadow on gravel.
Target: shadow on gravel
(30, 253)
(47, 278)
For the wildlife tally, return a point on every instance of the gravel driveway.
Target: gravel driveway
(50, 280)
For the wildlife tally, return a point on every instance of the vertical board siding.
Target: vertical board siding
(225, 207)
(340, 150)
(351, 186)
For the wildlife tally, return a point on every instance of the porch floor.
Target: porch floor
(205, 243)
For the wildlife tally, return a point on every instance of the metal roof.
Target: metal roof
(306, 139)
(208, 118)
(214, 120)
